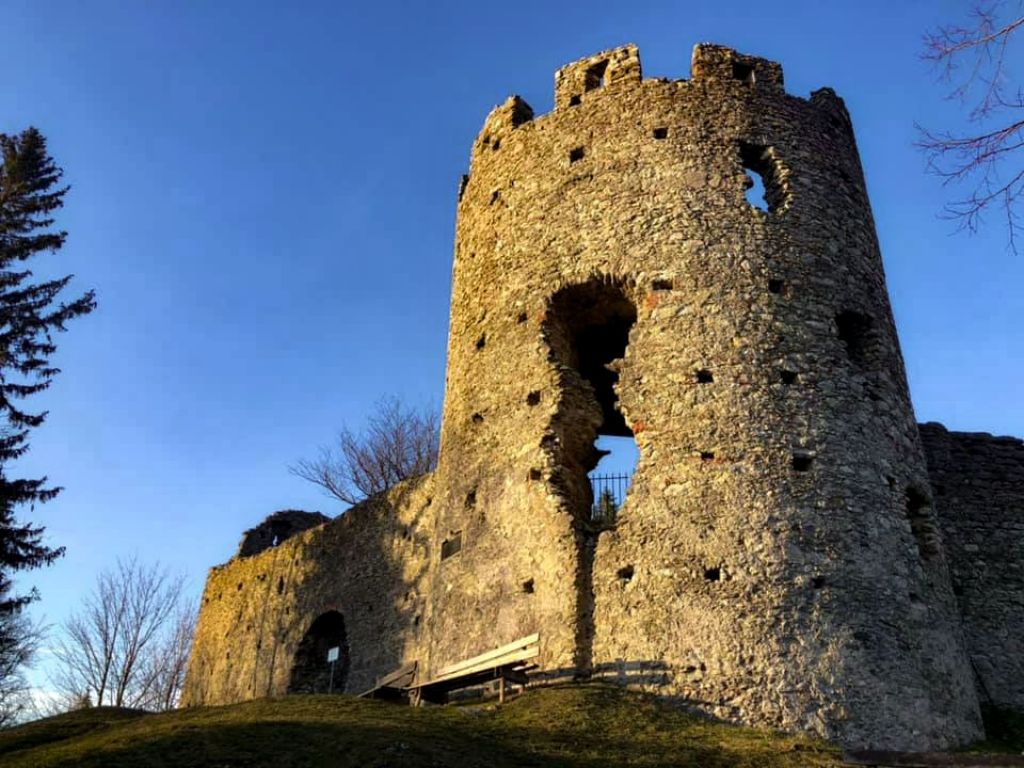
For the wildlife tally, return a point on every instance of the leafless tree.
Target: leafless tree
(985, 158)
(128, 644)
(19, 641)
(398, 442)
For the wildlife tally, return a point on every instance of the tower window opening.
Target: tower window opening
(574, 100)
(856, 331)
(705, 376)
(921, 524)
(595, 76)
(660, 133)
(575, 155)
(763, 184)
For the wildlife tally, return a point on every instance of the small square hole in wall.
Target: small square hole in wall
(660, 133)
(574, 100)
(713, 574)
(451, 545)
(595, 76)
(707, 455)
(788, 377)
(495, 195)
(575, 155)
(535, 474)
(776, 286)
(478, 418)
(528, 586)
(661, 284)
(482, 341)
(625, 574)
(802, 462)
(744, 72)
(704, 376)
(521, 318)
(818, 582)
(471, 499)
(496, 145)
(533, 398)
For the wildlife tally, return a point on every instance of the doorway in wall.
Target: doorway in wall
(314, 669)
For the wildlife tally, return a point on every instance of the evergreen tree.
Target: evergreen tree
(30, 313)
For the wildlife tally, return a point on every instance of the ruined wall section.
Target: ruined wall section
(368, 564)
(766, 563)
(978, 482)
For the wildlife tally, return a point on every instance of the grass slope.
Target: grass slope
(578, 727)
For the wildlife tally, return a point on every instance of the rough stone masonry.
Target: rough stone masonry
(788, 553)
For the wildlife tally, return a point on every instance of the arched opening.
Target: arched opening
(318, 667)
(587, 329)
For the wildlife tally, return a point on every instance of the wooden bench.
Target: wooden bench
(395, 685)
(509, 663)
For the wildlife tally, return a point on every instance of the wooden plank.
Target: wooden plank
(511, 657)
(408, 670)
(515, 645)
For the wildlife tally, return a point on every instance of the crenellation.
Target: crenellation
(784, 555)
(725, 65)
(582, 79)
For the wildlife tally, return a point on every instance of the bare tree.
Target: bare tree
(19, 641)
(128, 645)
(398, 443)
(985, 158)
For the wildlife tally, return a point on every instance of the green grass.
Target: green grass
(578, 727)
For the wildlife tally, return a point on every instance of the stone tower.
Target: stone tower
(776, 558)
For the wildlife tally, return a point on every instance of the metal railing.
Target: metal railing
(609, 493)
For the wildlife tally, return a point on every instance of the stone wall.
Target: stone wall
(367, 565)
(978, 481)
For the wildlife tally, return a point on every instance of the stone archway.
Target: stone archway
(311, 671)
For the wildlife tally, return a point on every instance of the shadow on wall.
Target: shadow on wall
(352, 583)
(363, 592)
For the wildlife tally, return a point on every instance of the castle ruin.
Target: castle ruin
(794, 551)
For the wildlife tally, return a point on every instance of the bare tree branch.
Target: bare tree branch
(128, 645)
(986, 159)
(398, 443)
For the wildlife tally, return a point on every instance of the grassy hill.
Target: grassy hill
(580, 726)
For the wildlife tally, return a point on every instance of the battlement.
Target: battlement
(716, 62)
(618, 68)
(608, 69)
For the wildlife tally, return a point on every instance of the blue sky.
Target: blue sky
(264, 194)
